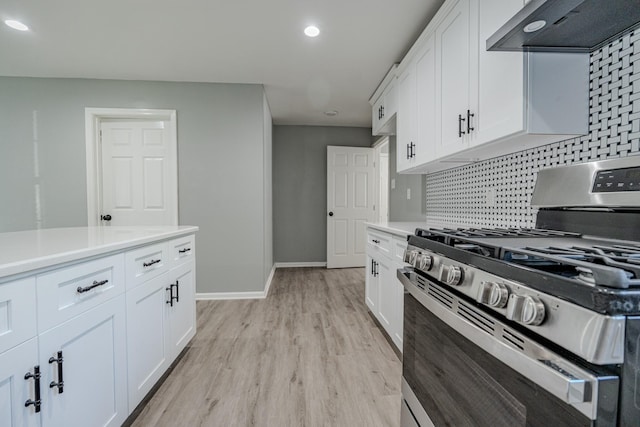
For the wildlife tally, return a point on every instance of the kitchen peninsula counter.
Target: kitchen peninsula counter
(26, 251)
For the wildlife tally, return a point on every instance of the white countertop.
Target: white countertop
(402, 229)
(23, 251)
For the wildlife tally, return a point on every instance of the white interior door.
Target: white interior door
(350, 198)
(139, 173)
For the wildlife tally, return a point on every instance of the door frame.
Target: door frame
(93, 117)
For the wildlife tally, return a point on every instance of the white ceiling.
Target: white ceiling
(233, 41)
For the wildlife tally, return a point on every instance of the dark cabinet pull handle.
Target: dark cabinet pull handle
(150, 263)
(170, 289)
(372, 261)
(184, 251)
(36, 376)
(171, 297)
(106, 217)
(469, 116)
(413, 150)
(376, 241)
(409, 151)
(460, 120)
(95, 284)
(375, 270)
(60, 383)
(382, 111)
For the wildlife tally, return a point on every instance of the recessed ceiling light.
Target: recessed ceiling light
(16, 25)
(312, 31)
(331, 113)
(534, 26)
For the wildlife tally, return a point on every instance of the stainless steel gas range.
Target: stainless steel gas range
(530, 327)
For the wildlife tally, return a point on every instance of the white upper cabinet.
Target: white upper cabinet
(407, 119)
(425, 103)
(459, 103)
(384, 102)
(455, 60)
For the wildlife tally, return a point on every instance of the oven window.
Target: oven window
(459, 384)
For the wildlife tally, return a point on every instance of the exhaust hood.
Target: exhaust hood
(566, 25)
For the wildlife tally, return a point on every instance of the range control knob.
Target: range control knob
(452, 275)
(424, 262)
(526, 309)
(493, 294)
(410, 256)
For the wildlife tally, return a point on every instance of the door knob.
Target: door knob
(106, 217)
(330, 213)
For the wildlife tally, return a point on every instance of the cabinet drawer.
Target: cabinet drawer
(17, 312)
(399, 246)
(67, 292)
(146, 263)
(378, 243)
(182, 250)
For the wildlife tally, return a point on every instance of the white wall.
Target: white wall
(222, 162)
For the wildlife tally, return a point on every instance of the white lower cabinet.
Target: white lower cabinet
(384, 294)
(182, 312)
(161, 322)
(83, 364)
(371, 291)
(147, 337)
(104, 336)
(386, 306)
(15, 389)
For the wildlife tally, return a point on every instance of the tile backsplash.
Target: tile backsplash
(497, 192)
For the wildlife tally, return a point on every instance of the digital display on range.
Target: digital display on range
(610, 181)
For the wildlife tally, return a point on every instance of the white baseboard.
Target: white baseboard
(300, 264)
(269, 280)
(239, 295)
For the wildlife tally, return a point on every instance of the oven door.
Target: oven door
(464, 367)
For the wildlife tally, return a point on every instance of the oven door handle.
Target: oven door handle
(563, 379)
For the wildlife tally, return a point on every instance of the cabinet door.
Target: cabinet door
(386, 302)
(453, 55)
(376, 116)
(93, 347)
(500, 78)
(405, 119)
(426, 103)
(182, 314)
(148, 350)
(398, 300)
(15, 390)
(371, 286)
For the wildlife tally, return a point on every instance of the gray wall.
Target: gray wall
(300, 188)
(221, 163)
(401, 208)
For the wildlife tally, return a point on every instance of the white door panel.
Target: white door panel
(139, 184)
(350, 196)
(93, 347)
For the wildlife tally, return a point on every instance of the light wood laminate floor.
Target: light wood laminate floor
(307, 355)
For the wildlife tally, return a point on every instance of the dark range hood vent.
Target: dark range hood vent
(570, 25)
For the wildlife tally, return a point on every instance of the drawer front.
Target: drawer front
(399, 246)
(146, 263)
(182, 250)
(378, 244)
(17, 312)
(67, 292)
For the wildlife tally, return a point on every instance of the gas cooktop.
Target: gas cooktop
(591, 260)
